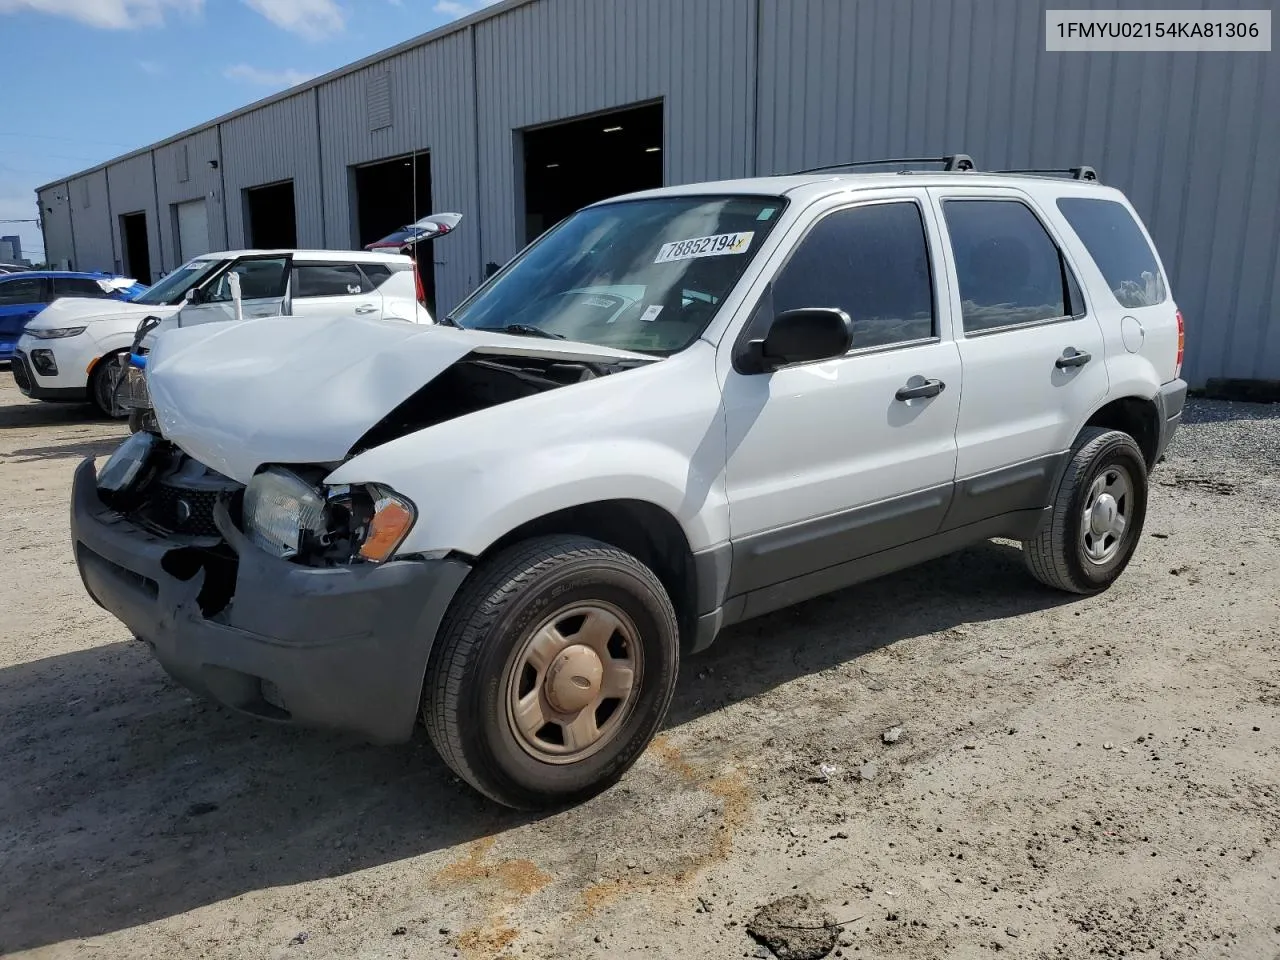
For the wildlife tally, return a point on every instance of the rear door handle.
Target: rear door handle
(366, 308)
(920, 391)
(1071, 357)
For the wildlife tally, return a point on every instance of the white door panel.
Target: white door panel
(193, 229)
(819, 439)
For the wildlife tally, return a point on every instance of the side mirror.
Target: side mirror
(799, 336)
(194, 296)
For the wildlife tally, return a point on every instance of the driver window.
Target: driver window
(870, 261)
(259, 279)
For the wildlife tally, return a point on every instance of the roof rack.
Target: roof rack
(959, 161)
(1076, 173)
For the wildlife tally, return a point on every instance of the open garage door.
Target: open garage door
(137, 248)
(569, 165)
(192, 220)
(390, 194)
(270, 216)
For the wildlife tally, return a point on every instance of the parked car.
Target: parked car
(73, 349)
(25, 294)
(674, 411)
(13, 268)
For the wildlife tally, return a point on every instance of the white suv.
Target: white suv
(69, 351)
(674, 411)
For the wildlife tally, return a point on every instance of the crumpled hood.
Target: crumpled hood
(68, 311)
(290, 390)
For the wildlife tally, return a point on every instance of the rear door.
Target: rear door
(21, 298)
(1031, 351)
(331, 289)
(264, 284)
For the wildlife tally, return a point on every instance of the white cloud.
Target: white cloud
(151, 67)
(108, 14)
(266, 78)
(312, 19)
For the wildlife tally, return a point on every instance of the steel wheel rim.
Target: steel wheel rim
(574, 681)
(1107, 514)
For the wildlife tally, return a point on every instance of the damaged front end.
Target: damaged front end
(314, 635)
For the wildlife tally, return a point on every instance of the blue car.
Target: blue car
(23, 295)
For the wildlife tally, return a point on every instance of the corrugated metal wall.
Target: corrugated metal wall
(183, 173)
(133, 190)
(766, 86)
(1192, 139)
(273, 143)
(431, 110)
(91, 214)
(556, 60)
(55, 220)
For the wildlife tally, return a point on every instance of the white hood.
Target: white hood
(282, 390)
(68, 311)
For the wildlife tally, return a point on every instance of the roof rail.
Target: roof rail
(959, 161)
(1076, 173)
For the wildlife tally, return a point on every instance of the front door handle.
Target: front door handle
(920, 391)
(1071, 357)
(366, 308)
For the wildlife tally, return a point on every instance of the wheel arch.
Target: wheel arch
(643, 529)
(1137, 416)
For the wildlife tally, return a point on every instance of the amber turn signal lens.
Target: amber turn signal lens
(392, 519)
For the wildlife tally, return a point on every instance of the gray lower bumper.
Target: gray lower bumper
(344, 648)
(1169, 401)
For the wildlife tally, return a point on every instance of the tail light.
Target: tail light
(1182, 344)
(421, 294)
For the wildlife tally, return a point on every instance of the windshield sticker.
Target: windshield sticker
(651, 313)
(720, 245)
(766, 213)
(598, 302)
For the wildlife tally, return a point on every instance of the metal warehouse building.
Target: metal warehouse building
(517, 115)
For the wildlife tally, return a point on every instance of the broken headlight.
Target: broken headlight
(291, 518)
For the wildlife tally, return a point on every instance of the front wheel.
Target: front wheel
(1088, 537)
(106, 377)
(553, 670)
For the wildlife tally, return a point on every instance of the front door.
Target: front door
(21, 298)
(263, 285)
(836, 460)
(1032, 353)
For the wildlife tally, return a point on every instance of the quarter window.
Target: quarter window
(872, 262)
(328, 280)
(24, 290)
(1118, 247)
(1009, 268)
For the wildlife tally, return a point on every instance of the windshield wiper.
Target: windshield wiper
(524, 330)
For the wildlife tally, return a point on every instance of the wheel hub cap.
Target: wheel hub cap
(1103, 515)
(573, 679)
(1106, 514)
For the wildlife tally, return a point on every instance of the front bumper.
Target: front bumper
(344, 648)
(32, 386)
(1169, 402)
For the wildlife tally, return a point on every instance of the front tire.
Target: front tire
(1088, 537)
(102, 386)
(553, 670)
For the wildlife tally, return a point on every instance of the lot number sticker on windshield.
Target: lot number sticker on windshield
(720, 245)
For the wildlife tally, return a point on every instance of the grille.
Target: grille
(20, 375)
(182, 510)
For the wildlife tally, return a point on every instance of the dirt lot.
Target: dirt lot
(1074, 777)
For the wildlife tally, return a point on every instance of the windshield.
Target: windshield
(642, 275)
(173, 287)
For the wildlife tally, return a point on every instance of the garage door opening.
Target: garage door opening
(270, 215)
(569, 165)
(390, 194)
(137, 252)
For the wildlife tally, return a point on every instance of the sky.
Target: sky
(82, 81)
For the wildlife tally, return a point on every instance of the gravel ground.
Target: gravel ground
(1072, 777)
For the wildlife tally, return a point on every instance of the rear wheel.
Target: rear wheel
(1088, 538)
(553, 670)
(106, 375)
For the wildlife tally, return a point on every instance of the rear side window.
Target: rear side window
(379, 273)
(77, 287)
(873, 263)
(22, 290)
(1118, 247)
(328, 280)
(1010, 270)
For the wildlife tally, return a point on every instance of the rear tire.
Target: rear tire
(1088, 537)
(102, 386)
(553, 670)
